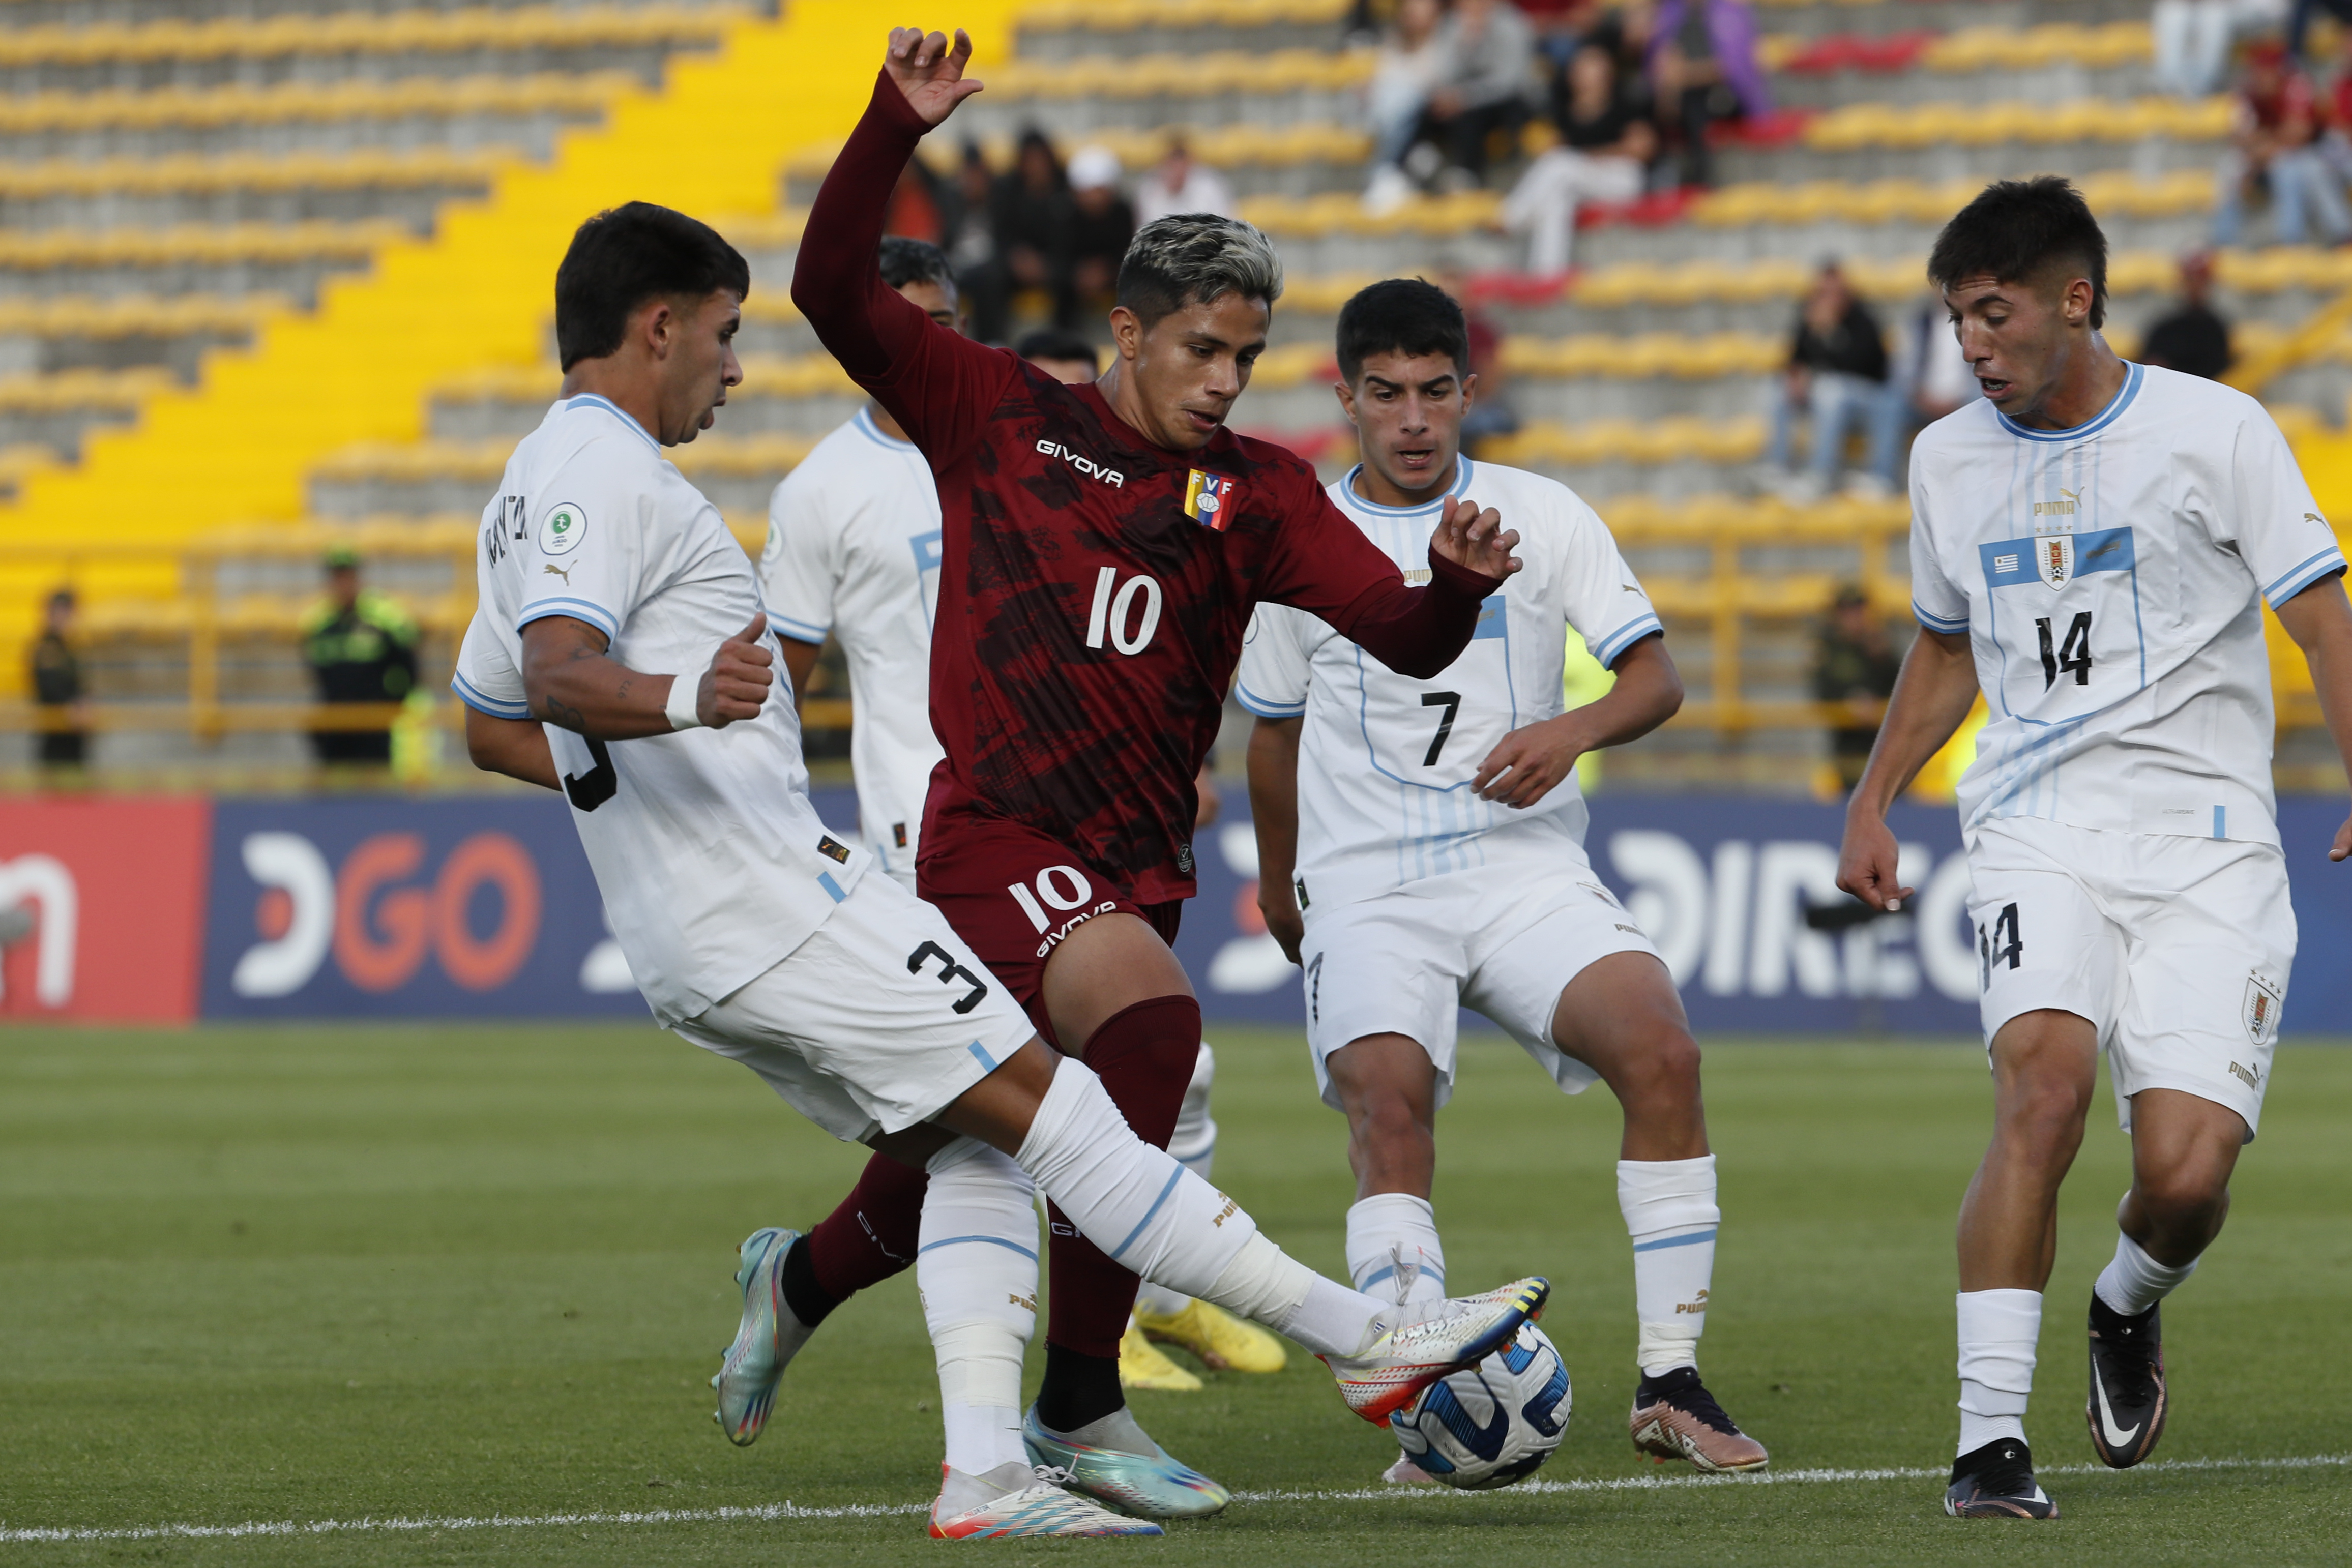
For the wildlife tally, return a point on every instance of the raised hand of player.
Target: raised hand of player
(1529, 763)
(736, 685)
(1867, 862)
(1469, 536)
(930, 73)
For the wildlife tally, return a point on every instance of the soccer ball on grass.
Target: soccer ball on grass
(1490, 1425)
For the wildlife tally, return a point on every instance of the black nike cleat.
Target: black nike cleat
(1996, 1481)
(2127, 1403)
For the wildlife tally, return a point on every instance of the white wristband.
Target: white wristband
(680, 707)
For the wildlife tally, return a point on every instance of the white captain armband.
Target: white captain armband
(680, 708)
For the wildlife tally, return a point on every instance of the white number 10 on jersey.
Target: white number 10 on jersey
(1115, 611)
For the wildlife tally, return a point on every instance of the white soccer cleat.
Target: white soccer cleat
(1041, 1508)
(1423, 1341)
(765, 1342)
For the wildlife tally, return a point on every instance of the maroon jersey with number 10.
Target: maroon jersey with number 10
(1093, 587)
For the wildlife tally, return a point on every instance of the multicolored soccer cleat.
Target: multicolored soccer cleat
(1426, 1340)
(1043, 1508)
(1143, 1364)
(1996, 1481)
(1675, 1417)
(769, 1337)
(1146, 1486)
(1222, 1342)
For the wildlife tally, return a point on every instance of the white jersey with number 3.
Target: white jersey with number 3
(2111, 578)
(853, 550)
(1386, 762)
(713, 864)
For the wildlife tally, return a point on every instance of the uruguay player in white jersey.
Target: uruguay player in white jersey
(2091, 544)
(1421, 849)
(852, 553)
(757, 934)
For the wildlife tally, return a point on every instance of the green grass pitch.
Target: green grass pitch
(353, 1273)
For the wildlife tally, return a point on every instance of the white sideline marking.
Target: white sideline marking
(782, 1510)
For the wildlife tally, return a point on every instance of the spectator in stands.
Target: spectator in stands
(1067, 357)
(1929, 369)
(1404, 76)
(363, 649)
(2276, 143)
(2304, 13)
(968, 235)
(1703, 66)
(1029, 215)
(2193, 338)
(1101, 222)
(1485, 85)
(1180, 185)
(2193, 38)
(58, 690)
(1854, 668)
(1837, 378)
(1606, 145)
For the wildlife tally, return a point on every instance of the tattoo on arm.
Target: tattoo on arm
(564, 718)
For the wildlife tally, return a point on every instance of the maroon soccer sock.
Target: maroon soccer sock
(870, 1237)
(1144, 1056)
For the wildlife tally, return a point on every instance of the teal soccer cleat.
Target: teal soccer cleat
(767, 1340)
(1145, 1486)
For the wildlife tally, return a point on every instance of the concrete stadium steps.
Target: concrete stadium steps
(49, 333)
(355, 45)
(287, 260)
(405, 188)
(461, 114)
(121, 13)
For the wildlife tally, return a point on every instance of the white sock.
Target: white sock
(1194, 1145)
(976, 1268)
(1147, 1212)
(2136, 1282)
(1670, 1212)
(1393, 1251)
(1999, 1331)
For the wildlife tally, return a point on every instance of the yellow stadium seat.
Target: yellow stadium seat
(363, 32)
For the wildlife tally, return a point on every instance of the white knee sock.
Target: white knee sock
(1146, 1211)
(1670, 1212)
(976, 1267)
(2136, 1282)
(1195, 1146)
(1999, 1331)
(1392, 1248)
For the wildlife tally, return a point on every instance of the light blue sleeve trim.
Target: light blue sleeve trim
(2302, 575)
(595, 614)
(473, 699)
(1693, 1239)
(1625, 637)
(961, 1240)
(1265, 707)
(1175, 1177)
(798, 630)
(1937, 623)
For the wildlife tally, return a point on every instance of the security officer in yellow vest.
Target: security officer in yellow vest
(363, 649)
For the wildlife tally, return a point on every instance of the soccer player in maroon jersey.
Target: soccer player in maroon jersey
(1103, 547)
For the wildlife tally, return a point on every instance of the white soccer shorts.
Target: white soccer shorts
(874, 1023)
(2177, 949)
(1501, 940)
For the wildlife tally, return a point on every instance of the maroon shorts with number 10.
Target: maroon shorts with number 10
(1013, 894)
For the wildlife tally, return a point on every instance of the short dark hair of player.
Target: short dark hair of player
(626, 256)
(2020, 231)
(905, 261)
(1192, 258)
(1402, 316)
(1053, 343)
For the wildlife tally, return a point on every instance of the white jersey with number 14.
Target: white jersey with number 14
(2111, 578)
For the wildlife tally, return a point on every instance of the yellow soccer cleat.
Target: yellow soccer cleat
(1222, 1342)
(1142, 1365)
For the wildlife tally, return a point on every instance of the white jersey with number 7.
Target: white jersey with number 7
(1386, 763)
(2111, 578)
